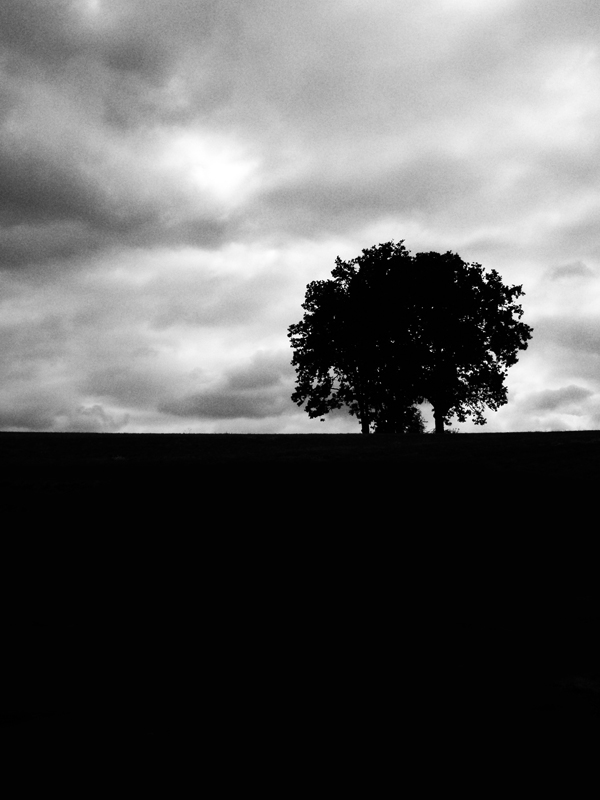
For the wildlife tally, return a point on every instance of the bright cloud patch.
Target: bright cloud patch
(208, 164)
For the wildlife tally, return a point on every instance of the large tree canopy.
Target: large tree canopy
(391, 330)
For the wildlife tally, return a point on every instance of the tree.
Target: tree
(471, 332)
(392, 330)
(405, 420)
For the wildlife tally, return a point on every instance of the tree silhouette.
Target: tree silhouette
(392, 330)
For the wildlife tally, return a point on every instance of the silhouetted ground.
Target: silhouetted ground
(279, 587)
(79, 458)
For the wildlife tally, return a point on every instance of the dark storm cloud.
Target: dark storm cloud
(34, 418)
(36, 190)
(430, 183)
(576, 270)
(45, 410)
(133, 382)
(227, 405)
(29, 244)
(568, 397)
(265, 370)
(53, 205)
(258, 389)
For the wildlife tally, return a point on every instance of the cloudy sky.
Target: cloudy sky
(173, 173)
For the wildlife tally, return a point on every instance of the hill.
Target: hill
(459, 571)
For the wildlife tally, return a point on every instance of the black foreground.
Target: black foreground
(272, 590)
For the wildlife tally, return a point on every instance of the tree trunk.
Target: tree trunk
(439, 421)
(363, 412)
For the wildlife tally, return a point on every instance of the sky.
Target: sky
(173, 173)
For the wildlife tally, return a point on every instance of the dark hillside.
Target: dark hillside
(449, 576)
(179, 466)
(551, 453)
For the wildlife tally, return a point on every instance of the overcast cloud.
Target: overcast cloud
(174, 173)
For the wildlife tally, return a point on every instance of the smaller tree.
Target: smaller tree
(404, 420)
(470, 333)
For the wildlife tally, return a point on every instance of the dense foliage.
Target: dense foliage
(391, 330)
